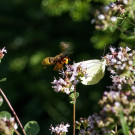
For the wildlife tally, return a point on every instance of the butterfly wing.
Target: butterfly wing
(95, 71)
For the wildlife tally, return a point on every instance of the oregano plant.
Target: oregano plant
(9, 124)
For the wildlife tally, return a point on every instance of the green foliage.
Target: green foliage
(3, 79)
(74, 96)
(79, 10)
(30, 34)
(77, 95)
(31, 128)
(4, 114)
(130, 32)
(55, 7)
(124, 124)
(1, 100)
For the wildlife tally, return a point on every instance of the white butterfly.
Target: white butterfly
(95, 70)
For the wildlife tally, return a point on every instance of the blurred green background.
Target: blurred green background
(31, 30)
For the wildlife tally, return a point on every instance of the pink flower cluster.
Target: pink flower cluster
(10, 122)
(121, 66)
(59, 129)
(70, 78)
(120, 98)
(113, 103)
(107, 17)
(91, 126)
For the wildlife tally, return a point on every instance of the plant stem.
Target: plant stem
(17, 132)
(116, 130)
(113, 132)
(74, 119)
(12, 111)
(74, 112)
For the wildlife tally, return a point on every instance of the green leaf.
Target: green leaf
(78, 125)
(32, 128)
(72, 102)
(77, 94)
(4, 114)
(4, 79)
(130, 32)
(71, 90)
(124, 124)
(72, 96)
(1, 100)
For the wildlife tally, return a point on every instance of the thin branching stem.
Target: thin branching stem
(113, 132)
(12, 111)
(116, 130)
(17, 132)
(74, 112)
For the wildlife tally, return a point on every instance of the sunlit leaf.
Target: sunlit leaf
(32, 128)
(4, 79)
(72, 102)
(72, 96)
(4, 114)
(1, 100)
(124, 124)
(77, 94)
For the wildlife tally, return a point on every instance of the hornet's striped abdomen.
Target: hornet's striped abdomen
(48, 61)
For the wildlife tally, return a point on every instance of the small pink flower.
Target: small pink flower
(59, 128)
(71, 76)
(2, 52)
(112, 50)
(128, 49)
